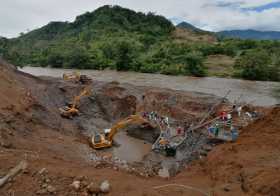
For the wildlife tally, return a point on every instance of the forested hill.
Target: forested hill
(88, 41)
(106, 19)
(251, 34)
(112, 37)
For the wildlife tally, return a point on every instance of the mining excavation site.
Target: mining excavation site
(161, 144)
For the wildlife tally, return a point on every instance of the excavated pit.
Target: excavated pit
(57, 150)
(112, 102)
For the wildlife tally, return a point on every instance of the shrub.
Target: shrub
(257, 65)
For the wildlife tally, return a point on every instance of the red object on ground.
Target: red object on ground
(179, 130)
(223, 115)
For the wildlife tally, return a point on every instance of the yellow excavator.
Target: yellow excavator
(76, 77)
(105, 140)
(71, 110)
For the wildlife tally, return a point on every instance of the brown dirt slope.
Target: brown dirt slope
(252, 164)
(31, 129)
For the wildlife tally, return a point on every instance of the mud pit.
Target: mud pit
(130, 149)
(31, 129)
(112, 102)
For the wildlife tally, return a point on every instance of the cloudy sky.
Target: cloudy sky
(22, 15)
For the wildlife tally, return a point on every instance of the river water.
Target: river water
(255, 92)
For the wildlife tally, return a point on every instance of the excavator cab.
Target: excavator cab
(97, 139)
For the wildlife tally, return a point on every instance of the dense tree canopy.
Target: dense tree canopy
(117, 38)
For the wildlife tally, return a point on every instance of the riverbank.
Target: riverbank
(58, 155)
(259, 93)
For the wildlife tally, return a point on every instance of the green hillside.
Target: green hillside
(113, 37)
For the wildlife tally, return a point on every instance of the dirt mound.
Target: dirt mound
(252, 164)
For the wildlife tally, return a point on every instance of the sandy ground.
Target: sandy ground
(33, 131)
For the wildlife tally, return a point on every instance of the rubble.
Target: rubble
(105, 186)
(76, 185)
(51, 189)
(93, 188)
(61, 145)
(164, 173)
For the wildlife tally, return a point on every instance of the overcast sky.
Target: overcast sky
(21, 15)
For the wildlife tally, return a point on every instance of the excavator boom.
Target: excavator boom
(103, 141)
(71, 111)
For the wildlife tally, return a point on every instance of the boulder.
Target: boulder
(105, 186)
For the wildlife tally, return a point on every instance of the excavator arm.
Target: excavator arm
(71, 111)
(102, 141)
(131, 119)
(77, 99)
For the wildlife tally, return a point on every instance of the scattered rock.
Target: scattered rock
(93, 188)
(105, 186)
(42, 171)
(226, 188)
(83, 184)
(41, 192)
(203, 153)
(80, 178)
(76, 185)
(26, 171)
(51, 189)
(85, 194)
(116, 168)
(207, 148)
(5, 143)
(164, 173)
(47, 180)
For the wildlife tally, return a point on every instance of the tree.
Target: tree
(78, 58)
(194, 64)
(257, 65)
(55, 59)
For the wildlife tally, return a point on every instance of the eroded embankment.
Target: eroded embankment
(107, 104)
(31, 129)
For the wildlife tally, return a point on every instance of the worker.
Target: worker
(179, 130)
(166, 121)
(229, 118)
(239, 110)
(223, 116)
(234, 133)
(217, 130)
(213, 130)
(145, 115)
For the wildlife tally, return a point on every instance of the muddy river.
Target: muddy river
(254, 92)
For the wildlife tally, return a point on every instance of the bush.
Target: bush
(194, 64)
(172, 69)
(257, 65)
(55, 59)
(78, 58)
(150, 68)
(126, 58)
